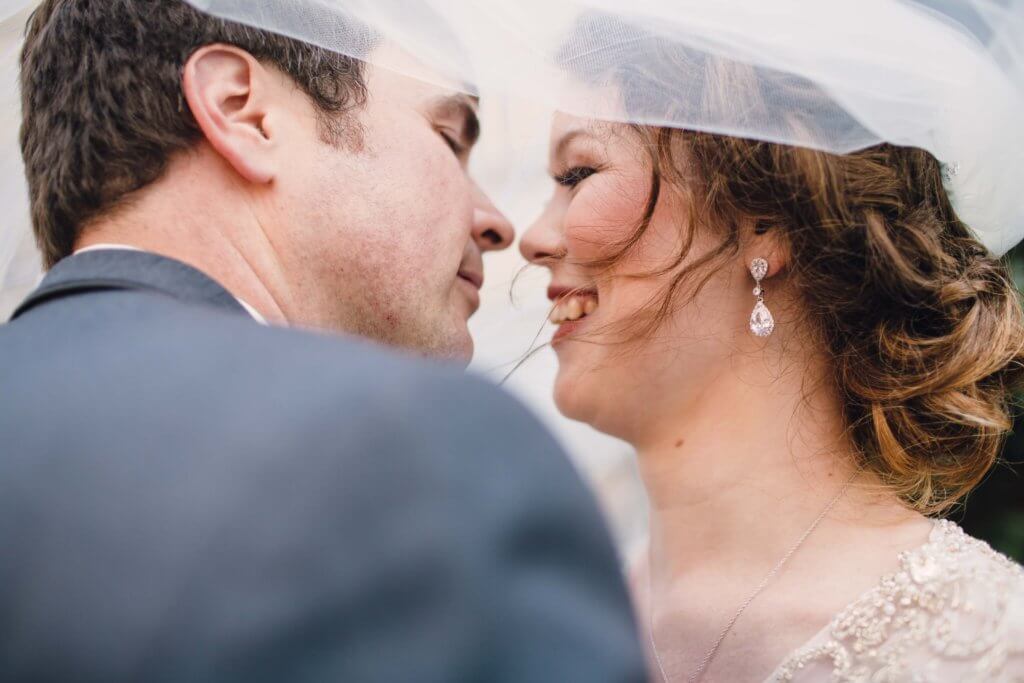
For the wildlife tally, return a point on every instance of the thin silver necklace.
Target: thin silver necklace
(702, 667)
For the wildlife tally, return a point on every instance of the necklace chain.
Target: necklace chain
(702, 667)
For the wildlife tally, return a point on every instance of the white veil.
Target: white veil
(19, 262)
(835, 75)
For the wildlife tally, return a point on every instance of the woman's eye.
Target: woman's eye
(574, 176)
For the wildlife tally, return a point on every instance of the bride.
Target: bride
(812, 355)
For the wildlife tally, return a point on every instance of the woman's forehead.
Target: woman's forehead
(567, 129)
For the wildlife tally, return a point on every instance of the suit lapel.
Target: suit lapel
(120, 269)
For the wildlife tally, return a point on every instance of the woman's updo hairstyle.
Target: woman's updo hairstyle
(924, 329)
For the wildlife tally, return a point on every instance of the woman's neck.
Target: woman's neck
(747, 471)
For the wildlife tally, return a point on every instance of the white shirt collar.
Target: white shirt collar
(256, 315)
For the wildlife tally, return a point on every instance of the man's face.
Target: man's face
(385, 239)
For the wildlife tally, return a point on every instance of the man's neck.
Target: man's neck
(217, 258)
(250, 309)
(201, 214)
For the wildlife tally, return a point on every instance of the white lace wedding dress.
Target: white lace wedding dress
(954, 611)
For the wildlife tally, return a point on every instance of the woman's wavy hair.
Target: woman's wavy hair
(925, 329)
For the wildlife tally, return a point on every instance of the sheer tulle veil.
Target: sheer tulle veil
(834, 75)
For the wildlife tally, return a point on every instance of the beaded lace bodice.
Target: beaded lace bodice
(954, 611)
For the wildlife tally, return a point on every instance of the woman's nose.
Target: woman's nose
(542, 240)
(491, 230)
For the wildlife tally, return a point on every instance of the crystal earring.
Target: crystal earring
(761, 321)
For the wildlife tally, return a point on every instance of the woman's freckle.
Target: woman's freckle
(679, 443)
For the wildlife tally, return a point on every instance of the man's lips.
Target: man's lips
(474, 278)
(471, 283)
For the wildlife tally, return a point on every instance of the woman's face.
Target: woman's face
(603, 181)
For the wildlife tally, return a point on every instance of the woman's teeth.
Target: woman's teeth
(572, 308)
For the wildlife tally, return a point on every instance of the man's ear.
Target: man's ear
(228, 91)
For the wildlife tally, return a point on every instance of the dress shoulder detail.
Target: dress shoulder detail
(953, 611)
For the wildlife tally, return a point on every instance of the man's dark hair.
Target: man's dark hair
(102, 104)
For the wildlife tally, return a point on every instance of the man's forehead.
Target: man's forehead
(456, 103)
(389, 62)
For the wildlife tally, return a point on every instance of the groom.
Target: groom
(188, 494)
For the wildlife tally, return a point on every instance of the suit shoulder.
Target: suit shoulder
(340, 366)
(362, 390)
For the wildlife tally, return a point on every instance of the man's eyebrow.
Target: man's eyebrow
(461, 106)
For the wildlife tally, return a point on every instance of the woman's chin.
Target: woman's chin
(572, 400)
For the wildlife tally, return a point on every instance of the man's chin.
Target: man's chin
(447, 339)
(462, 349)
(455, 346)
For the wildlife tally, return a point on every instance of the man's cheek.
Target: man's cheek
(441, 180)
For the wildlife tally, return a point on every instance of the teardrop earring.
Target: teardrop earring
(761, 321)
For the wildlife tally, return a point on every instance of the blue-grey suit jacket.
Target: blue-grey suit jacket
(186, 495)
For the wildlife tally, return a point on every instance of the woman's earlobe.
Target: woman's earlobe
(766, 240)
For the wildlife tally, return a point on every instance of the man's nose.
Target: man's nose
(491, 230)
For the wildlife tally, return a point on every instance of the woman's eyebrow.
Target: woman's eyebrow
(563, 143)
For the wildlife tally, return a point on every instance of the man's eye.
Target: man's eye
(453, 144)
(574, 176)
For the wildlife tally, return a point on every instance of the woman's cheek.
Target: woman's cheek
(603, 215)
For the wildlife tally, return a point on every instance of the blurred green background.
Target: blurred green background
(995, 511)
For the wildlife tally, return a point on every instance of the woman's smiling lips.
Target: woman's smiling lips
(572, 305)
(566, 329)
